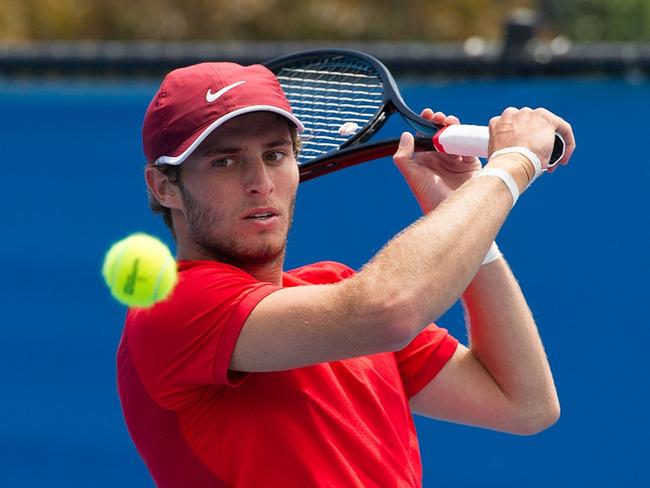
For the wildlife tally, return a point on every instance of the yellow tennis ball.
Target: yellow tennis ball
(140, 270)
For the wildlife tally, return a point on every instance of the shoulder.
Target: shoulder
(207, 292)
(208, 279)
(191, 334)
(323, 272)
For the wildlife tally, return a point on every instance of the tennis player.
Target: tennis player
(250, 375)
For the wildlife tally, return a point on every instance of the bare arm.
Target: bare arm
(503, 381)
(412, 281)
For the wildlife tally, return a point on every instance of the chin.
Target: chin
(260, 256)
(271, 249)
(249, 251)
(242, 248)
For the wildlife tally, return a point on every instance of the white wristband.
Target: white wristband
(506, 178)
(524, 151)
(492, 255)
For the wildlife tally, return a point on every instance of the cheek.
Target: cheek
(206, 200)
(290, 179)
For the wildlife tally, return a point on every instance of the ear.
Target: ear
(163, 190)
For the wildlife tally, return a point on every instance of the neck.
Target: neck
(268, 271)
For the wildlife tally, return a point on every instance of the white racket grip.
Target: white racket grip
(473, 140)
(463, 140)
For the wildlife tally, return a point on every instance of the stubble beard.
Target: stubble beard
(224, 248)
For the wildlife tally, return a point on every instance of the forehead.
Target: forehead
(256, 124)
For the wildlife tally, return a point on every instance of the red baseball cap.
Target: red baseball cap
(193, 101)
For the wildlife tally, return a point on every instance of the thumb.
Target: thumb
(404, 152)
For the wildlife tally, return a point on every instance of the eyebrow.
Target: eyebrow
(284, 141)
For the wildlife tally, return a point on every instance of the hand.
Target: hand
(433, 176)
(533, 129)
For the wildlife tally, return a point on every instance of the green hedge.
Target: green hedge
(378, 20)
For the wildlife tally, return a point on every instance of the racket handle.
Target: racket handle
(353, 155)
(472, 140)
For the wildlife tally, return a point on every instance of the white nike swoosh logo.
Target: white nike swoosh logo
(211, 97)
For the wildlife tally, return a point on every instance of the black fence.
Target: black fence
(473, 58)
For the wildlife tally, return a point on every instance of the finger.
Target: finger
(405, 150)
(508, 113)
(451, 120)
(437, 118)
(563, 128)
(470, 160)
(566, 131)
(427, 113)
(569, 139)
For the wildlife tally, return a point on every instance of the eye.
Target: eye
(275, 156)
(223, 163)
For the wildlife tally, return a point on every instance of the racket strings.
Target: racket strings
(335, 98)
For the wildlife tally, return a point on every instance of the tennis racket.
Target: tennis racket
(343, 97)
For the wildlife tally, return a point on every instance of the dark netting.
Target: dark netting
(335, 97)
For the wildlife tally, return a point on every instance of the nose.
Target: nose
(257, 178)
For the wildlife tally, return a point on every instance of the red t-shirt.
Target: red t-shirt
(196, 423)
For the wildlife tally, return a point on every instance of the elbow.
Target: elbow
(391, 315)
(535, 420)
(402, 325)
(398, 320)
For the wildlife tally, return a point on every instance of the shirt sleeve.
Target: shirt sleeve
(186, 342)
(423, 358)
(323, 272)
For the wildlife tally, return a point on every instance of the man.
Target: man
(252, 376)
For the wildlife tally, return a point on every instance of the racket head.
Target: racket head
(343, 97)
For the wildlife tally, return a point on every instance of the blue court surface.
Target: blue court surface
(578, 242)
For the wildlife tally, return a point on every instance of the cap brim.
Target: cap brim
(175, 160)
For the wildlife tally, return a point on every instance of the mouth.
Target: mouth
(260, 214)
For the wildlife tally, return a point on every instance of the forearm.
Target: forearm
(423, 271)
(505, 339)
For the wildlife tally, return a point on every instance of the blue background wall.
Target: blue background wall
(71, 176)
